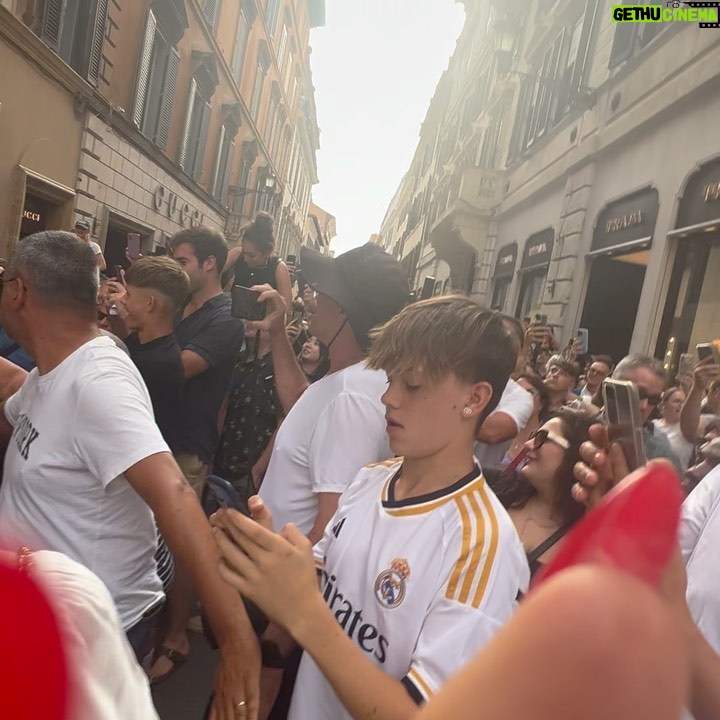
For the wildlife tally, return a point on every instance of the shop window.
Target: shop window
(157, 81)
(630, 38)
(195, 134)
(500, 293)
(242, 33)
(531, 294)
(75, 29)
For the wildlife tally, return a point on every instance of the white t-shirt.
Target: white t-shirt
(336, 427)
(419, 585)
(109, 684)
(680, 446)
(699, 543)
(95, 247)
(76, 430)
(518, 404)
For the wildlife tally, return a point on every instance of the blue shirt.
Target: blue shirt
(11, 351)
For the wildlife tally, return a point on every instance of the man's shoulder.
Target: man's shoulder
(359, 379)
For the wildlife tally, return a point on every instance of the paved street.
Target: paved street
(185, 695)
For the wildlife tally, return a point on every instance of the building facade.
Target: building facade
(608, 174)
(320, 230)
(153, 116)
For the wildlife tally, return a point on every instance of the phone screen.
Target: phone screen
(622, 409)
(245, 305)
(133, 245)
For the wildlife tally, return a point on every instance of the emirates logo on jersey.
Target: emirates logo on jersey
(390, 584)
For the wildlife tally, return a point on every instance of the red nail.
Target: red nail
(634, 528)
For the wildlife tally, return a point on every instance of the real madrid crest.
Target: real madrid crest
(390, 584)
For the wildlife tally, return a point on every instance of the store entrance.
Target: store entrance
(612, 300)
(116, 242)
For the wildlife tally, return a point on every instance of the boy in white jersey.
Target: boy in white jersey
(421, 564)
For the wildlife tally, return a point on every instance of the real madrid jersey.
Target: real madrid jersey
(419, 585)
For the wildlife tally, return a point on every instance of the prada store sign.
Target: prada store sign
(627, 220)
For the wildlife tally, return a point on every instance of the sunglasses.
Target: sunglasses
(540, 437)
(653, 400)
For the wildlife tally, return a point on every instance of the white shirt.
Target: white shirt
(76, 430)
(419, 585)
(680, 446)
(109, 684)
(699, 543)
(518, 404)
(336, 427)
(95, 247)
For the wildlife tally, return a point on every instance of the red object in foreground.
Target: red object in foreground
(33, 669)
(633, 529)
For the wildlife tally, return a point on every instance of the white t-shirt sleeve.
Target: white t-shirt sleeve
(12, 406)
(349, 434)
(517, 403)
(115, 427)
(696, 510)
(95, 248)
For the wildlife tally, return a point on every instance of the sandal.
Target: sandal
(177, 660)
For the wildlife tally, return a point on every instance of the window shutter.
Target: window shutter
(202, 142)
(98, 39)
(144, 71)
(168, 98)
(183, 159)
(210, 10)
(52, 22)
(228, 169)
(241, 38)
(219, 164)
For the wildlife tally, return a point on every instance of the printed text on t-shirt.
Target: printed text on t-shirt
(25, 435)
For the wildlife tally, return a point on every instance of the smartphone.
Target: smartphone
(219, 493)
(708, 350)
(543, 320)
(133, 245)
(584, 341)
(290, 260)
(245, 305)
(119, 270)
(625, 425)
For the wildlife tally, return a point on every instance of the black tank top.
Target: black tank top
(265, 275)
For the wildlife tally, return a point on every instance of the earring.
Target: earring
(467, 412)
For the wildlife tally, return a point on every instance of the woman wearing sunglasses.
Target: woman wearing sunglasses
(538, 496)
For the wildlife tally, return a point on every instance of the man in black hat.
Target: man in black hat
(338, 425)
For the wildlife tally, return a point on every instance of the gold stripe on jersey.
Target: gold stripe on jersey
(419, 683)
(475, 511)
(384, 463)
(426, 507)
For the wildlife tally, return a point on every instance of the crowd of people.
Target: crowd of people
(399, 472)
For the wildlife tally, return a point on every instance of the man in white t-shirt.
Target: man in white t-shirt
(82, 230)
(86, 466)
(338, 424)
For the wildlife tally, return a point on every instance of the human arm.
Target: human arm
(278, 562)
(327, 507)
(290, 380)
(284, 284)
(11, 379)
(511, 415)
(234, 255)
(703, 374)
(114, 294)
(259, 469)
(100, 261)
(497, 428)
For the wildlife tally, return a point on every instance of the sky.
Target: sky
(375, 66)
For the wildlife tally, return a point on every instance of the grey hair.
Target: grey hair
(636, 362)
(59, 267)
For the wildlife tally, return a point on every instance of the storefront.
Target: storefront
(692, 309)
(533, 272)
(618, 259)
(503, 275)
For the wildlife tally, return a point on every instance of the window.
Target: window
(212, 12)
(195, 134)
(630, 38)
(272, 119)
(260, 72)
(241, 39)
(223, 165)
(157, 79)
(489, 152)
(75, 29)
(272, 11)
(282, 48)
(275, 149)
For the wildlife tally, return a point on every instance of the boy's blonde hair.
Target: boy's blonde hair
(162, 274)
(444, 335)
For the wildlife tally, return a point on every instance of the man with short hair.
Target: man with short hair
(562, 376)
(82, 230)
(599, 370)
(648, 376)
(210, 339)
(86, 466)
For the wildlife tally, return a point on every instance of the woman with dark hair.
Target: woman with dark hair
(541, 404)
(314, 359)
(253, 262)
(538, 497)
